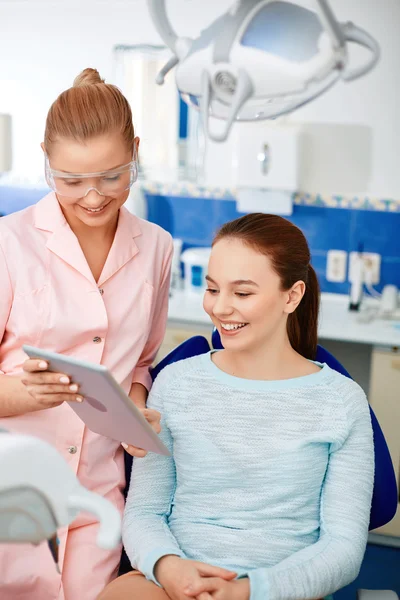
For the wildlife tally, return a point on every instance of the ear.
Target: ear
(136, 143)
(43, 148)
(295, 295)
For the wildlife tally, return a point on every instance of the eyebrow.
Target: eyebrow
(236, 282)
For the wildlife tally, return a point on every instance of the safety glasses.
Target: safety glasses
(105, 183)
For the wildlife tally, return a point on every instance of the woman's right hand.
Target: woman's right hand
(46, 388)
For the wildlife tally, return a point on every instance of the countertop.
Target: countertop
(336, 321)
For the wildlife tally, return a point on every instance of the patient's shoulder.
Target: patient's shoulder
(182, 371)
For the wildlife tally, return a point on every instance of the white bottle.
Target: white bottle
(389, 300)
(356, 289)
(195, 262)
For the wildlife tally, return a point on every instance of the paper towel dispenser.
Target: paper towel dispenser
(258, 155)
(268, 157)
(261, 161)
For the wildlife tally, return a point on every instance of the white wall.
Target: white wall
(370, 100)
(44, 44)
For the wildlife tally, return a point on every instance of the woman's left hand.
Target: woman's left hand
(153, 417)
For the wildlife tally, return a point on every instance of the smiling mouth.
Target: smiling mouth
(94, 210)
(232, 326)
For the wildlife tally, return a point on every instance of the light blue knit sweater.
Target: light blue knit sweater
(272, 479)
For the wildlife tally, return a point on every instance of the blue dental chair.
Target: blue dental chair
(384, 500)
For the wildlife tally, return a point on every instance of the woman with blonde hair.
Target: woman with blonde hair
(82, 276)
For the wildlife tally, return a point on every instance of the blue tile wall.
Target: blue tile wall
(195, 220)
(13, 199)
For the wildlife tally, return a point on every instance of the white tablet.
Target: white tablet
(106, 408)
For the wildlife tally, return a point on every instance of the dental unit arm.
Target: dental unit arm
(39, 494)
(261, 59)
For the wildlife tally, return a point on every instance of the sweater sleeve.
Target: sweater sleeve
(335, 559)
(146, 534)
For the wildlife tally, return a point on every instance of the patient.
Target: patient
(267, 493)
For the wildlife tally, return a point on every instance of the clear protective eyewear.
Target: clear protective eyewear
(105, 183)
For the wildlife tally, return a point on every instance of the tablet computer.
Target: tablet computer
(106, 408)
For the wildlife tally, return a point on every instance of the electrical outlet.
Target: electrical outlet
(336, 263)
(371, 261)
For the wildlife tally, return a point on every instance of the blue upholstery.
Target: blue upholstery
(384, 498)
(192, 347)
(384, 501)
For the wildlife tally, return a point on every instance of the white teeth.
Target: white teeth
(94, 209)
(231, 326)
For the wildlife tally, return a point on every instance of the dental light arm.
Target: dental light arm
(261, 59)
(39, 494)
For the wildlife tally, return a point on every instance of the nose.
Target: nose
(222, 306)
(92, 196)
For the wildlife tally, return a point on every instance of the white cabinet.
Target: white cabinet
(384, 397)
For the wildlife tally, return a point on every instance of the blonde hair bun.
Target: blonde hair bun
(88, 77)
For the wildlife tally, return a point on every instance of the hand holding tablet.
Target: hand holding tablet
(106, 408)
